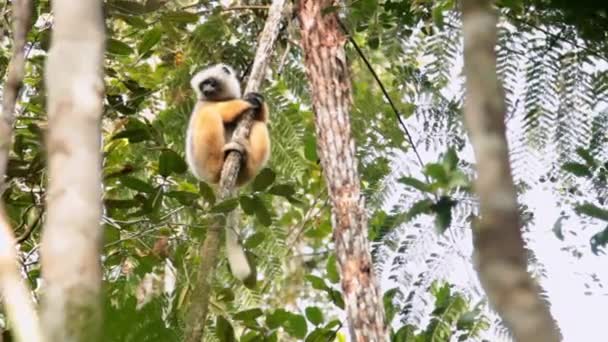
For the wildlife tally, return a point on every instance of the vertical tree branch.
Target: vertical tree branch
(499, 247)
(22, 16)
(71, 239)
(16, 294)
(199, 303)
(327, 70)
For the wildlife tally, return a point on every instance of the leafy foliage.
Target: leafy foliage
(156, 212)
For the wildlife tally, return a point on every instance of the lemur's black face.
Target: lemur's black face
(210, 88)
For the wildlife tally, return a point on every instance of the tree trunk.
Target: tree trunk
(500, 255)
(71, 240)
(16, 295)
(199, 302)
(327, 70)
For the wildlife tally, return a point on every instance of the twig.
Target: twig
(250, 7)
(384, 91)
(284, 58)
(559, 36)
(30, 228)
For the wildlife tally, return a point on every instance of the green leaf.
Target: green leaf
(263, 180)
(579, 170)
(149, 40)
(450, 159)
(374, 42)
(120, 203)
(438, 17)
(320, 335)
(255, 240)
(276, 318)
(583, 153)
(117, 47)
(415, 183)
(135, 21)
(314, 315)
(181, 17)
(136, 184)
(310, 148)
(154, 202)
(405, 334)
(248, 315)
(128, 7)
(316, 282)
(171, 162)
(295, 326)
(437, 172)
(558, 228)
(134, 135)
(443, 209)
(224, 330)
(389, 307)
(252, 336)
(183, 197)
(225, 294)
(336, 298)
(207, 192)
(261, 212)
(225, 206)
(247, 204)
(285, 190)
(593, 211)
(110, 234)
(599, 240)
(420, 207)
(331, 267)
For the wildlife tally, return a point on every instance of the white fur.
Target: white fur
(231, 87)
(236, 256)
(189, 147)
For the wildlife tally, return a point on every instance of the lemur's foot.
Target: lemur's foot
(256, 99)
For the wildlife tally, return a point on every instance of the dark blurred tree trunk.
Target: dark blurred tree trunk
(327, 70)
(501, 260)
(72, 236)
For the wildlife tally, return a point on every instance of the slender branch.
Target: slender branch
(199, 307)
(15, 293)
(30, 228)
(16, 70)
(250, 7)
(384, 91)
(559, 36)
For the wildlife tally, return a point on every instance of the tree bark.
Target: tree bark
(71, 239)
(499, 247)
(16, 295)
(327, 70)
(199, 303)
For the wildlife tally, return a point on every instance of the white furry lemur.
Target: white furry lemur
(209, 140)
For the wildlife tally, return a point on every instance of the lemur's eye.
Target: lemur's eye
(226, 70)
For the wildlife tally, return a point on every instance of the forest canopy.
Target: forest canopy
(415, 162)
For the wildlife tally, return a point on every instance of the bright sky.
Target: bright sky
(578, 302)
